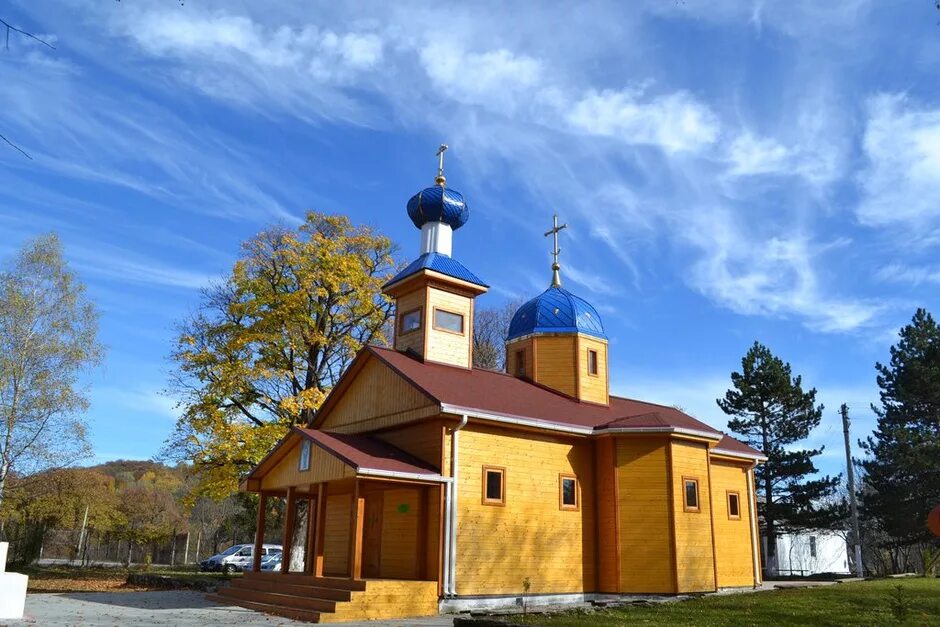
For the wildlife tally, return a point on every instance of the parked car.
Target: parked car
(236, 557)
(270, 563)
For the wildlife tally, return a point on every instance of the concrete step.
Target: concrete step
(294, 613)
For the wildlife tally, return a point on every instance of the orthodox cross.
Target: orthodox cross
(440, 180)
(556, 278)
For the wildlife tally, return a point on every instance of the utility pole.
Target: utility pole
(850, 473)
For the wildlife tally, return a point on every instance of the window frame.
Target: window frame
(306, 447)
(401, 321)
(501, 501)
(519, 357)
(463, 321)
(562, 477)
(737, 497)
(597, 366)
(698, 495)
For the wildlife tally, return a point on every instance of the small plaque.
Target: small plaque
(403, 508)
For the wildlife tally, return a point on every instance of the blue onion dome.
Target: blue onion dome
(556, 310)
(438, 204)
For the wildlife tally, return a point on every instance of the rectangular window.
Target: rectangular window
(494, 485)
(690, 487)
(592, 362)
(305, 455)
(520, 363)
(448, 321)
(734, 506)
(410, 321)
(812, 546)
(568, 492)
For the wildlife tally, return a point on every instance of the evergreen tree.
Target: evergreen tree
(771, 412)
(903, 470)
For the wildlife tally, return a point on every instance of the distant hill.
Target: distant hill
(127, 471)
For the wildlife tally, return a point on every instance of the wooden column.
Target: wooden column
(422, 556)
(288, 529)
(312, 510)
(355, 533)
(259, 532)
(322, 491)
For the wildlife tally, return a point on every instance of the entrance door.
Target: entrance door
(372, 535)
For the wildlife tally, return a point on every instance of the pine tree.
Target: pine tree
(771, 412)
(903, 470)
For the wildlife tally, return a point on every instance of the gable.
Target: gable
(373, 397)
(286, 472)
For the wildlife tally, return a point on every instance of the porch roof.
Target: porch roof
(368, 453)
(360, 455)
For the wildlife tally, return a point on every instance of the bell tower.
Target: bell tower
(557, 339)
(434, 295)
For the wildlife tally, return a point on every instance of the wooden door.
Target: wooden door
(372, 535)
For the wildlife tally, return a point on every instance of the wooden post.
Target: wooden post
(312, 515)
(355, 531)
(259, 532)
(321, 525)
(421, 567)
(288, 530)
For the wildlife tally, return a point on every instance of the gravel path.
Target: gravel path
(181, 608)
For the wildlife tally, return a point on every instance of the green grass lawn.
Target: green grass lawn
(857, 603)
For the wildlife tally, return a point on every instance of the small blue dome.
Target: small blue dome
(556, 310)
(438, 204)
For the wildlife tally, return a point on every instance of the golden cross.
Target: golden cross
(556, 278)
(439, 179)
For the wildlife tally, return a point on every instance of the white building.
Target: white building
(810, 553)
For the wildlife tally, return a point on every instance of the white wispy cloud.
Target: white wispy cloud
(774, 276)
(909, 275)
(124, 266)
(81, 132)
(901, 181)
(650, 167)
(749, 155)
(135, 401)
(675, 122)
(496, 79)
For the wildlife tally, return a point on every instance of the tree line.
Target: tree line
(130, 512)
(269, 340)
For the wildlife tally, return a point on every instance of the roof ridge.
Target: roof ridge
(637, 400)
(484, 370)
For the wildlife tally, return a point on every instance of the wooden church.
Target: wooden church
(425, 485)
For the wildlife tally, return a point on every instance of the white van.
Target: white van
(237, 557)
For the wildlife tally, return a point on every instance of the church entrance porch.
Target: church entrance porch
(362, 530)
(359, 529)
(354, 549)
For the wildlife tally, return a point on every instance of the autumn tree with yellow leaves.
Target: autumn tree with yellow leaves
(268, 342)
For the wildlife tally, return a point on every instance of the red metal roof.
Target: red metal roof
(364, 452)
(506, 395)
(736, 447)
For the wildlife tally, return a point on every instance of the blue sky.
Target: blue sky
(730, 170)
